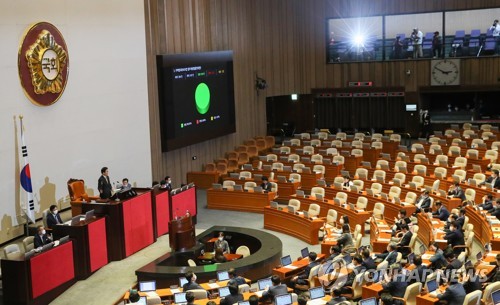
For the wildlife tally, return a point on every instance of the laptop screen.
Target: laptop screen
(143, 300)
(431, 286)
(286, 260)
(347, 259)
(180, 297)
(304, 252)
(243, 303)
(224, 292)
(479, 255)
(495, 297)
(264, 283)
(89, 215)
(222, 276)
(317, 293)
(147, 286)
(411, 256)
(284, 299)
(182, 281)
(422, 249)
(369, 301)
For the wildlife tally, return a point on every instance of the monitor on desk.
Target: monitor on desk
(63, 239)
(284, 299)
(319, 197)
(224, 292)
(243, 302)
(479, 255)
(217, 186)
(180, 298)
(369, 301)
(300, 193)
(29, 254)
(291, 209)
(89, 215)
(182, 281)
(306, 170)
(145, 286)
(282, 179)
(495, 297)
(222, 276)
(75, 220)
(264, 283)
(286, 260)
(317, 293)
(411, 257)
(47, 246)
(274, 205)
(237, 187)
(432, 286)
(321, 182)
(422, 249)
(304, 252)
(234, 175)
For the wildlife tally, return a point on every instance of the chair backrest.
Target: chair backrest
(243, 250)
(418, 180)
(441, 170)
(298, 166)
(245, 174)
(295, 142)
(342, 197)
(11, 251)
(376, 188)
(199, 294)
(243, 288)
(394, 191)
(210, 167)
(295, 177)
(314, 210)
(488, 290)
(317, 158)
(331, 217)
(153, 300)
(473, 298)
(272, 157)
(378, 210)
(357, 285)
(44, 217)
(378, 145)
(277, 166)
(460, 162)
(470, 194)
(360, 184)
(435, 185)
(395, 137)
(411, 197)
(492, 155)
(460, 173)
(362, 173)
(308, 150)
(379, 173)
(228, 184)
(191, 263)
(362, 202)
(318, 168)
(28, 243)
(400, 176)
(294, 203)
(357, 152)
(339, 159)
(76, 189)
(318, 190)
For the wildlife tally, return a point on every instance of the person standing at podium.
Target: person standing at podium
(41, 237)
(221, 243)
(53, 218)
(104, 185)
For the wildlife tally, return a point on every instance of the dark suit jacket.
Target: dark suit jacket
(457, 193)
(369, 264)
(41, 240)
(460, 221)
(231, 299)
(239, 280)
(454, 265)
(442, 213)
(266, 186)
(405, 241)
(438, 261)
(352, 275)
(455, 238)
(336, 300)
(53, 220)
(425, 204)
(104, 187)
(487, 205)
(274, 291)
(419, 274)
(345, 240)
(472, 285)
(496, 184)
(454, 294)
(307, 270)
(396, 287)
(191, 286)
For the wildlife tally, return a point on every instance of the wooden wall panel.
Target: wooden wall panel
(283, 41)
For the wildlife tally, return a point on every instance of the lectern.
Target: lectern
(181, 233)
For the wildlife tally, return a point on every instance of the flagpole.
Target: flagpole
(25, 178)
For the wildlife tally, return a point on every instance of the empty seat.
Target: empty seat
(339, 159)
(272, 157)
(331, 218)
(395, 137)
(379, 173)
(315, 142)
(293, 158)
(433, 148)
(443, 171)
(331, 151)
(28, 243)
(394, 192)
(342, 197)
(243, 250)
(419, 157)
(376, 188)
(277, 166)
(410, 197)
(461, 174)
(479, 178)
(294, 203)
(491, 155)
(337, 143)
(250, 185)
(245, 174)
(420, 169)
(295, 142)
(308, 150)
(314, 210)
(454, 151)
(284, 150)
(341, 136)
(361, 172)
(441, 159)
(382, 163)
(417, 147)
(322, 135)
(318, 168)
(305, 136)
(318, 190)
(357, 152)
(470, 194)
(460, 162)
(362, 202)
(317, 158)
(400, 176)
(378, 210)
(418, 180)
(399, 164)
(472, 153)
(377, 144)
(295, 177)
(357, 144)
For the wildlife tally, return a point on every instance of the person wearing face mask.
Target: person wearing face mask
(455, 238)
(168, 184)
(53, 218)
(423, 202)
(344, 220)
(493, 179)
(41, 237)
(221, 243)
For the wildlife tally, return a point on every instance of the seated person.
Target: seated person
(358, 268)
(420, 273)
(347, 182)
(442, 213)
(277, 289)
(493, 179)
(453, 262)
(496, 276)
(487, 203)
(345, 240)
(239, 279)
(456, 191)
(302, 300)
(221, 243)
(390, 255)
(454, 293)
(41, 238)
(471, 280)
(400, 220)
(437, 260)
(387, 299)
(395, 283)
(405, 240)
(368, 262)
(253, 300)
(219, 256)
(234, 296)
(496, 209)
(125, 185)
(455, 238)
(334, 253)
(191, 284)
(303, 278)
(190, 298)
(266, 185)
(53, 218)
(461, 219)
(133, 296)
(336, 297)
(344, 220)
(423, 202)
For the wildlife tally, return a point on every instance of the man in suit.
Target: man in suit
(396, 285)
(453, 262)
(368, 262)
(266, 185)
(190, 298)
(390, 256)
(334, 253)
(460, 219)
(437, 260)
(487, 202)
(239, 279)
(302, 279)
(41, 237)
(454, 293)
(455, 238)
(234, 296)
(104, 185)
(336, 297)
(168, 183)
(496, 209)
(419, 274)
(53, 218)
(400, 220)
(442, 213)
(191, 284)
(493, 179)
(277, 289)
(456, 191)
(423, 202)
(357, 261)
(405, 240)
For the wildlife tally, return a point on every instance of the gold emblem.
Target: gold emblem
(46, 59)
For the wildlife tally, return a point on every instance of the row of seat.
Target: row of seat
(470, 126)
(322, 135)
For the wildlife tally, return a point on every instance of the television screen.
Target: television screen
(196, 97)
(411, 107)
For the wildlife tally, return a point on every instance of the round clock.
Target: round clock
(445, 72)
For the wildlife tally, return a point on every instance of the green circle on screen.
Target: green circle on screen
(202, 98)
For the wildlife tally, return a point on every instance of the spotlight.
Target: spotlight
(359, 40)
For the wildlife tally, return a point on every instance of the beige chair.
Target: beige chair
(338, 179)
(470, 194)
(400, 176)
(376, 188)
(317, 158)
(361, 203)
(341, 136)
(449, 132)
(461, 174)
(323, 135)
(486, 135)
(357, 287)
(199, 294)
(473, 298)
(467, 133)
(378, 210)
(317, 190)
(453, 149)
(28, 243)
(418, 180)
(315, 142)
(295, 177)
(11, 251)
(245, 174)
(332, 151)
(331, 218)
(284, 150)
(361, 172)
(377, 137)
(228, 184)
(377, 145)
(243, 288)
(495, 145)
(417, 147)
(191, 263)
(378, 173)
(491, 155)
(433, 148)
(395, 137)
(295, 142)
(417, 169)
(472, 154)
(295, 204)
(418, 158)
(342, 197)
(410, 197)
(479, 178)
(357, 232)
(272, 157)
(442, 170)
(153, 300)
(357, 152)
(337, 143)
(488, 290)
(381, 163)
(318, 168)
(314, 210)
(274, 187)
(357, 144)
(411, 292)
(339, 159)
(359, 136)
(308, 150)
(249, 185)
(277, 166)
(394, 191)
(232, 165)
(243, 250)
(293, 158)
(360, 184)
(384, 265)
(435, 186)
(476, 142)
(305, 136)
(485, 127)
(400, 164)
(298, 167)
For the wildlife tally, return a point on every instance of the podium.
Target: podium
(182, 234)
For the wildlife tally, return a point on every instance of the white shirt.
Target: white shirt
(496, 30)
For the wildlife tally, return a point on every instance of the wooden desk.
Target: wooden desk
(482, 228)
(292, 224)
(284, 188)
(203, 180)
(208, 256)
(351, 163)
(371, 155)
(239, 200)
(380, 235)
(307, 180)
(298, 267)
(372, 291)
(426, 299)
